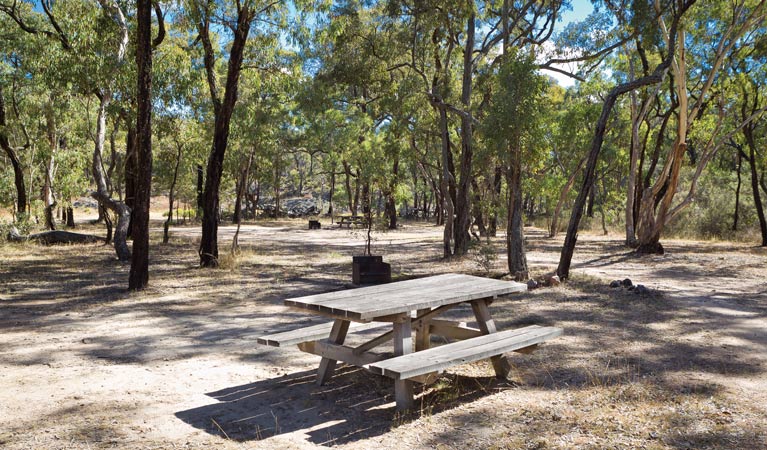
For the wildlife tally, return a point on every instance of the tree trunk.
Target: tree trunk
(101, 194)
(492, 228)
(736, 213)
(349, 193)
(590, 206)
(366, 198)
(332, 191)
(48, 198)
(200, 190)
(47, 194)
(237, 213)
(107, 222)
(554, 226)
(131, 169)
(479, 219)
(633, 160)
(391, 203)
(566, 256)
(70, 217)
(223, 114)
(240, 193)
(515, 233)
(138, 278)
(18, 172)
(277, 185)
(171, 194)
(748, 132)
(447, 200)
(463, 194)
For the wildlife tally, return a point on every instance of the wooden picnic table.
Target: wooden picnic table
(400, 308)
(348, 221)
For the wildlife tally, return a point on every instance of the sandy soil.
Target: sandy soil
(84, 364)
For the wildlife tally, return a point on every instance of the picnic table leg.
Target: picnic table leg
(403, 344)
(487, 326)
(422, 336)
(337, 336)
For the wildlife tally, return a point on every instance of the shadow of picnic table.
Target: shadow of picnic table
(293, 402)
(354, 405)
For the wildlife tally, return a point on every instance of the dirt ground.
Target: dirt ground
(84, 364)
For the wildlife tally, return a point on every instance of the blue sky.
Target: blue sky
(581, 9)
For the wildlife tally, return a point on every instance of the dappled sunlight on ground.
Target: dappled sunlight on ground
(86, 364)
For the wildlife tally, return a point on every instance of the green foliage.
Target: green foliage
(484, 255)
(517, 104)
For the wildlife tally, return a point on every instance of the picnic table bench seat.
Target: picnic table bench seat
(437, 359)
(311, 333)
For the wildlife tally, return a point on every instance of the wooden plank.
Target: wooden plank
(446, 289)
(438, 297)
(342, 302)
(310, 333)
(403, 345)
(380, 305)
(453, 330)
(351, 300)
(482, 347)
(487, 325)
(374, 290)
(417, 320)
(328, 365)
(340, 353)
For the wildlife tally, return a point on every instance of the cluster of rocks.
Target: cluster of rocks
(302, 207)
(85, 202)
(628, 285)
(292, 207)
(547, 280)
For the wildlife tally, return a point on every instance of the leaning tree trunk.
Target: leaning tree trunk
(223, 113)
(101, 194)
(18, 172)
(566, 256)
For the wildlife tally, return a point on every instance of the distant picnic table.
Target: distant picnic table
(396, 310)
(348, 221)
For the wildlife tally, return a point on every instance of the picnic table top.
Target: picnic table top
(369, 303)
